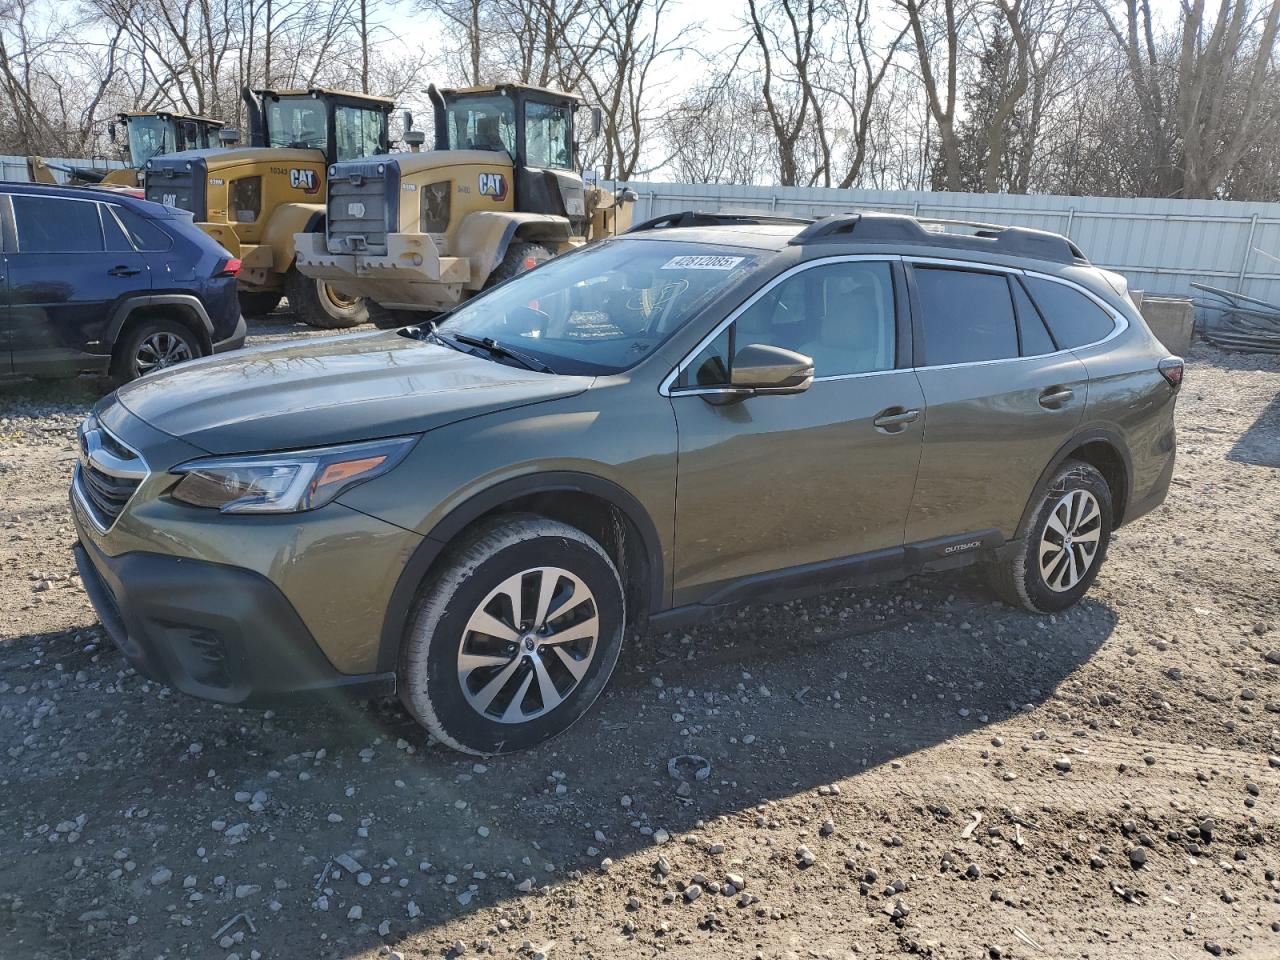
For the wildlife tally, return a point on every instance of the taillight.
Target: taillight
(228, 268)
(1171, 369)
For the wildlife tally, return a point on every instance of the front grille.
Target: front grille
(108, 474)
(363, 205)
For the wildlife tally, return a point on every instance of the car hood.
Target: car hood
(333, 390)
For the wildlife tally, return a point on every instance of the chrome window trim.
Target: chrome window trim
(108, 464)
(666, 389)
(1118, 319)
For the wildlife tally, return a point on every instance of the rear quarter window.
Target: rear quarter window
(144, 234)
(966, 316)
(1074, 319)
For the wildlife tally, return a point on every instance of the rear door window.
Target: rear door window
(1074, 319)
(966, 316)
(56, 225)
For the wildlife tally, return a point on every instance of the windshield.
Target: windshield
(482, 123)
(602, 309)
(149, 137)
(297, 122)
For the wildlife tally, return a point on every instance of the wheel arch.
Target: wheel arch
(286, 220)
(483, 237)
(184, 308)
(598, 507)
(1103, 449)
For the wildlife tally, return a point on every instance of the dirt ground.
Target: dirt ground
(909, 769)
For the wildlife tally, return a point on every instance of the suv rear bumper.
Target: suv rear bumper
(236, 340)
(217, 632)
(411, 274)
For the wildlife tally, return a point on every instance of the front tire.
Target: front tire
(152, 345)
(519, 258)
(319, 305)
(514, 638)
(1058, 557)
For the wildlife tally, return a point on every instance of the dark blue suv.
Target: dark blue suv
(97, 281)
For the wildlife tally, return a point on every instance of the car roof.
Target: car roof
(881, 231)
(148, 208)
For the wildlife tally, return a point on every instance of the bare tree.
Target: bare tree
(940, 72)
(1198, 99)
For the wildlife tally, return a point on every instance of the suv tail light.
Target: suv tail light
(1171, 369)
(229, 267)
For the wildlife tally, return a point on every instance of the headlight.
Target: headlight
(285, 482)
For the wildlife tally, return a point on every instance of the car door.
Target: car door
(1002, 399)
(774, 483)
(65, 278)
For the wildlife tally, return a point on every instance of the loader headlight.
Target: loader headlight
(285, 482)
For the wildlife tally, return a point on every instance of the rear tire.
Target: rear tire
(517, 681)
(152, 345)
(257, 304)
(1058, 557)
(318, 305)
(519, 258)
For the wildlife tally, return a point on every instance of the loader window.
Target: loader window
(546, 136)
(149, 137)
(360, 132)
(297, 122)
(482, 123)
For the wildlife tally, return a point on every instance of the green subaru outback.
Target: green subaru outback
(707, 411)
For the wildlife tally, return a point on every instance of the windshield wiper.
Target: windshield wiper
(496, 349)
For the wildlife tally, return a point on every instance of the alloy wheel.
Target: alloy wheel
(161, 349)
(1069, 544)
(528, 644)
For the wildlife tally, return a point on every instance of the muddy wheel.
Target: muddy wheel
(514, 638)
(519, 258)
(1058, 557)
(320, 305)
(259, 303)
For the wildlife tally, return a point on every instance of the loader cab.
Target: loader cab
(533, 126)
(155, 134)
(343, 125)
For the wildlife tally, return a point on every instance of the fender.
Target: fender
(130, 304)
(435, 543)
(1088, 434)
(286, 220)
(483, 238)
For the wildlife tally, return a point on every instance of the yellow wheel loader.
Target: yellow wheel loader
(254, 200)
(146, 135)
(154, 134)
(499, 194)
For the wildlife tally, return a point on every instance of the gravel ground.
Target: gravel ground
(908, 769)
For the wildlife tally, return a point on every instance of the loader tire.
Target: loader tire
(318, 305)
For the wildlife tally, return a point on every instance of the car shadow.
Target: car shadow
(779, 699)
(1260, 444)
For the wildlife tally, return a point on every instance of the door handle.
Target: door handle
(120, 270)
(1055, 398)
(895, 419)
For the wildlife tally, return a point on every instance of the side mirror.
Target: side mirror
(112, 133)
(597, 121)
(763, 368)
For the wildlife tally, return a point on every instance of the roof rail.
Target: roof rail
(962, 234)
(700, 218)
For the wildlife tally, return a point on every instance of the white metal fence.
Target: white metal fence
(1160, 246)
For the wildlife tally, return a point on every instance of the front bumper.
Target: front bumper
(411, 275)
(214, 631)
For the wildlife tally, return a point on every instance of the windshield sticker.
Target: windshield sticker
(702, 263)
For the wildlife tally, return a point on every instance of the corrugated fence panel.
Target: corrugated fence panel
(1161, 246)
